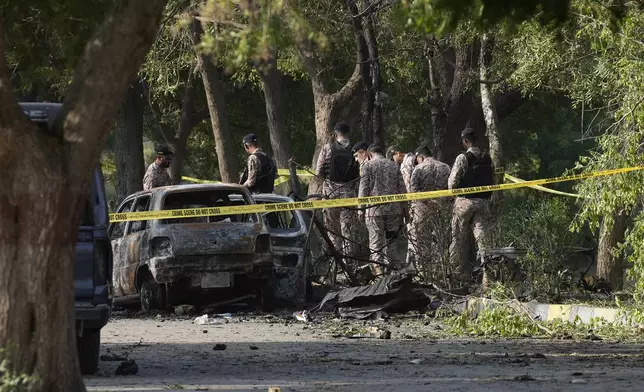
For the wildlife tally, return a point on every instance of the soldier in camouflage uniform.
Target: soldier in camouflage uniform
(471, 213)
(381, 176)
(428, 217)
(157, 174)
(261, 170)
(406, 162)
(340, 172)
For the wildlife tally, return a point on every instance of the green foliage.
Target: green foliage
(12, 382)
(542, 228)
(440, 16)
(507, 319)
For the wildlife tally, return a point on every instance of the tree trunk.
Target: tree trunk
(369, 30)
(327, 106)
(128, 144)
(272, 86)
(611, 234)
(369, 98)
(216, 97)
(491, 119)
(188, 121)
(43, 188)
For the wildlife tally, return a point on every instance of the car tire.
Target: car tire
(152, 296)
(89, 348)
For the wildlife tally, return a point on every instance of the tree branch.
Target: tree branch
(349, 90)
(109, 64)
(313, 68)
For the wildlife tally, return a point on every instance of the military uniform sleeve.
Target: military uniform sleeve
(414, 183)
(253, 170)
(458, 170)
(365, 181)
(324, 160)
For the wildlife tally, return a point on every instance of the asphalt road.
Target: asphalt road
(261, 352)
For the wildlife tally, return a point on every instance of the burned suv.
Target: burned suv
(164, 262)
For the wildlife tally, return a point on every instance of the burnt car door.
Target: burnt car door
(117, 232)
(289, 233)
(132, 242)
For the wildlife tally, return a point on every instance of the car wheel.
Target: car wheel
(89, 348)
(152, 296)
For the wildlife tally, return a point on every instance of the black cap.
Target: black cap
(375, 148)
(423, 150)
(468, 133)
(393, 150)
(360, 146)
(251, 138)
(162, 149)
(342, 128)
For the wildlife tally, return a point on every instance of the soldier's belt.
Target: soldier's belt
(352, 202)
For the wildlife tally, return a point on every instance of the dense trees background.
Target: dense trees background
(556, 85)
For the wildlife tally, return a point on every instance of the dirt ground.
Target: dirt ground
(333, 355)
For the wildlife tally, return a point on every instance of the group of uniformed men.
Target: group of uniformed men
(364, 170)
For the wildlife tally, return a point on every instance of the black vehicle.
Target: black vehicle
(93, 257)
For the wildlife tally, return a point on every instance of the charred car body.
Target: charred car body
(289, 232)
(162, 262)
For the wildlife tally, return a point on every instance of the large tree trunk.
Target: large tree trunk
(491, 119)
(188, 121)
(128, 144)
(327, 106)
(452, 104)
(272, 86)
(216, 97)
(43, 188)
(611, 234)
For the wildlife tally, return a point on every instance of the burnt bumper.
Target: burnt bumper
(194, 268)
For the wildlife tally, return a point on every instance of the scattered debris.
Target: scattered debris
(127, 368)
(538, 356)
(205, 331)
(253, 347)
(393, 293)
(183, 310)
(592, 337)
(112, 358)
(578, 374)
(205, 320)
(417, 361)
(578, 381)
(219, 347)
(380, 333)
(303, 316)
(525, 377)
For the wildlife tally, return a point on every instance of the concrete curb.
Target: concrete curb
(551, 312)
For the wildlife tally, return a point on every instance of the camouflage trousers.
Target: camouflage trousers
(428, 237)
(382, 232)
(470, 216)
(341, 221)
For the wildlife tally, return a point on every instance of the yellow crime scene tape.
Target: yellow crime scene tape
(283, 175)
(351, 202)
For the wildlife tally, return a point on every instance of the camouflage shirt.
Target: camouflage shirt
(155, 177)
(381, 176)
(430, 175)
(254, 166)
(407, 168)
(333, 190)
(460, 167)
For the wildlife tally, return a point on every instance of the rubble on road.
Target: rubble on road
(205, 320)
(396, 293)
(127, 368)
(182, 310)
(219, 347)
